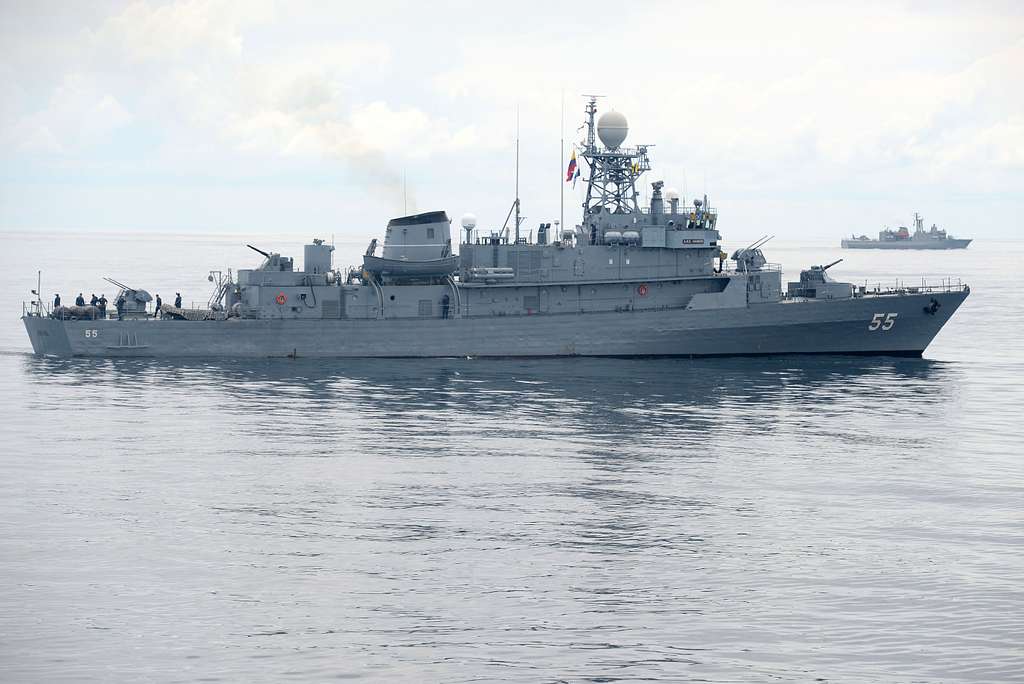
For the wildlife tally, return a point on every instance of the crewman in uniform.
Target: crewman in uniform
(445, 303)
(101, 303)
(177, 300)
(156, 312)
(92, 302)
(56, 301)
(79, 300)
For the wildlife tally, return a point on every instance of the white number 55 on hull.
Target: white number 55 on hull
(882, 321)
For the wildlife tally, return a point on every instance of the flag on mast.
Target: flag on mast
(573, 172)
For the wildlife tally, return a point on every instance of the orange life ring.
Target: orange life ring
(642, 290)
(281, 298)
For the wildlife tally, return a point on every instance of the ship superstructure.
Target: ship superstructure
(901, 238)
(627, 280)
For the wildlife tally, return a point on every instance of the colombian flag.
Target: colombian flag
(572, 172)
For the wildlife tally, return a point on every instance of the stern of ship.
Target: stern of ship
(48, 336)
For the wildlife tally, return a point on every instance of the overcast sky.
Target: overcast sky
(303, 117)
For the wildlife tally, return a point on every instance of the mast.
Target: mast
(614, 170)
(517, 174)
(590, 149)
(591, 110)
(561, 165)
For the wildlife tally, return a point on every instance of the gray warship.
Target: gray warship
(631, 279)
(901, 238)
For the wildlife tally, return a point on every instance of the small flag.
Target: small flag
(572, 171)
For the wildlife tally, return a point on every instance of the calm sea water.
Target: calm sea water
(794, 519)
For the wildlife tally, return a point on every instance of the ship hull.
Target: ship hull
(906, 244)
(791, 327)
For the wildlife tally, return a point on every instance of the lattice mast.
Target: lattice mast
(613, 170)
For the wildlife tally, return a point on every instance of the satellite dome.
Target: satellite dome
(469, 221)
(612, 129)
(672, 194)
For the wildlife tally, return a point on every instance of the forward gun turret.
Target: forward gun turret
(816, 283)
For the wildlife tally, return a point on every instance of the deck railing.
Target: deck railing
(901, 287)
(730, 267)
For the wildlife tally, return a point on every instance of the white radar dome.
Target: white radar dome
(612, 129)
(672, 194)
(469, 221)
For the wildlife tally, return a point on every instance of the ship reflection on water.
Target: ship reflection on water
(611, 412)
(615, 454)
(664, 518)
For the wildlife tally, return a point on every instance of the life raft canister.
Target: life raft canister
(281, 298)
(642, 290)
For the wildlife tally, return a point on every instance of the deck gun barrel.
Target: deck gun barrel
(119, 284)
(257, 249)
(825, 268)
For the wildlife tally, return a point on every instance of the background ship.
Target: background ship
(935, 238)
(628, 280)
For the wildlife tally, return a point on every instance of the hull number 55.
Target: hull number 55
(882, 321)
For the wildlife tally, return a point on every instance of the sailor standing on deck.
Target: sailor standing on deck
(79, 300)
(445, 303)
(156, 311)
(101, 304)
(177, 300)
(92, 302)
(56, 301)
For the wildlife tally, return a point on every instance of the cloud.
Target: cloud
(193, 77)
(774, 91)
(193, 28)
(301, 102)
(762, 100)
(79, 115)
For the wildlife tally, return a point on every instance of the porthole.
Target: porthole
(392, 297)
